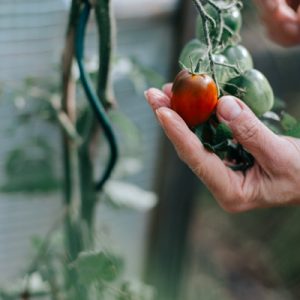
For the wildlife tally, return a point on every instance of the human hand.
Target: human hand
(282, 20)
(272, 181)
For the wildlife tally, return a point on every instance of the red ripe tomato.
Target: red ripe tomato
(194, 98)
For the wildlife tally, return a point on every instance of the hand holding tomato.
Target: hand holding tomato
(282, 19)
(275, 176)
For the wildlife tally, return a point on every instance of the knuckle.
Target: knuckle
(199, 169)
(283, 159)
(229, 208)
(235, 208)
(236, 203)
(232, 206)
(248, 131)
(180, 154)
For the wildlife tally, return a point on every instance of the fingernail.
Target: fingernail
(165, 86)
(229, 109)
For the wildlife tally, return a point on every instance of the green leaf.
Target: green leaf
(279, 105)
(130, 135)
(294, 132)
(209, 147)
(223, 133)
(288, 122)
(97, 266)
(34, 159)
(275, 126)
(205, 133)
(136, 290)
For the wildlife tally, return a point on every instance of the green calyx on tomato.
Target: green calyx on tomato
(194, 55)
(194, 98)
(252, 88)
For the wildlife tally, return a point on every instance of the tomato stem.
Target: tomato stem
(229, 6)
(205, 21)
(233, 67)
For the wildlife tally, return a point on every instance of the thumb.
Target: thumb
(267, 6)
(247, 129)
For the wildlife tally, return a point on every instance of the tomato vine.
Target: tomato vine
(217, 52)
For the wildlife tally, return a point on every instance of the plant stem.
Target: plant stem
(104, 91)
(66, 124)
(70, 155)
(233, 67)
(220, 19)
(218, 8)
(68, 101)
(205, 22)
(106, 34)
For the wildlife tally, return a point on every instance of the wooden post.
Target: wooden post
(176, 186)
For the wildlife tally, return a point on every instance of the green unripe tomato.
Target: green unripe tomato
(258, 94)
(191, 53)
(232, 19)
(194, 51)
(222, 72)
(239, 56)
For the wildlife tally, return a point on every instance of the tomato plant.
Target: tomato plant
(253, 88)
(229, 67)
(194, 55)
(194, 97)
(232, 20)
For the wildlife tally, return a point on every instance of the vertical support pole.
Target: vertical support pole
(72, 201)
(176, 187)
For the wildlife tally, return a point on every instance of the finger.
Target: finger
(286, 13)
(167, 89)
(288, 36)
(260, 141)
(156, 99)
(281, 12)
(267, 6)
(283, 29)
(207, 166)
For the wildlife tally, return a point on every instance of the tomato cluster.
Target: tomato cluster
(230, 64)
